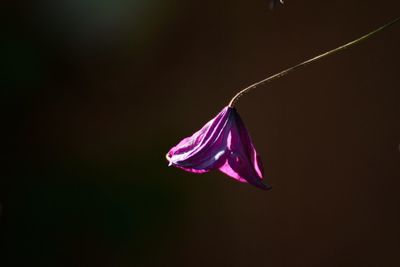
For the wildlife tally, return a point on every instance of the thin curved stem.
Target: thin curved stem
(302, 64)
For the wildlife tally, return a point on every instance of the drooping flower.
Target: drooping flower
(224, 144)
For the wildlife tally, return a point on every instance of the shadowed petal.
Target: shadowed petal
(242, 162)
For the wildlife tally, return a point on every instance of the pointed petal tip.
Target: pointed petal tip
(168, 159)
(263, 186)
(268, 187)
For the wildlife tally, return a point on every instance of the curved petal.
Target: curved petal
(205, 149)
(242, 162)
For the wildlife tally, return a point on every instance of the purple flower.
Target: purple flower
(224, 144)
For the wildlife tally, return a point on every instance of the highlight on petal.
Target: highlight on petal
(224, 144)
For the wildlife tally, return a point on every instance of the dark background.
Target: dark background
(94, 93)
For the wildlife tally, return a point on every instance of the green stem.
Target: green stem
(302, 64)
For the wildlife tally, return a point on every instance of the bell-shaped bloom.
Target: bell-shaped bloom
(224, 144)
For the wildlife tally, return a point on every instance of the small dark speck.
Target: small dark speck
(274, 3)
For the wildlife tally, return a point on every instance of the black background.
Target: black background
(94, 93)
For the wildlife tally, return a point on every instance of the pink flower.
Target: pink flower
(224, 144)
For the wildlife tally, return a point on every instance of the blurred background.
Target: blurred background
(94, 93)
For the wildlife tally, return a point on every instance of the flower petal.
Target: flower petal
(242, 162)
(205, 149)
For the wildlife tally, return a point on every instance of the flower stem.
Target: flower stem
(302, 64)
